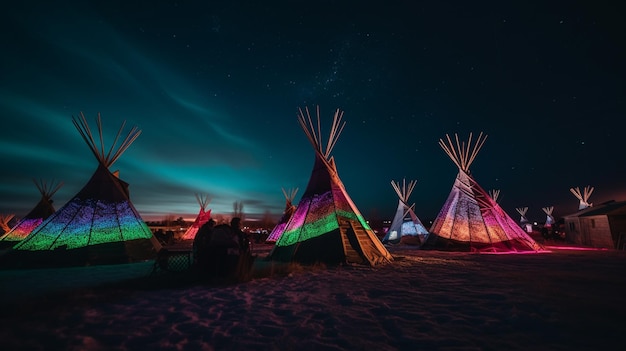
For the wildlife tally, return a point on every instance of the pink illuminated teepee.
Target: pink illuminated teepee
(327, 227)
(470, 219)
(290, 208)
(405, 227)
(38, 214)
(99, 225)
(203, 217)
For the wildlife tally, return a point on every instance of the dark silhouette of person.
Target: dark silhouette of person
(245, 260)
(244, 242)
(201, 244)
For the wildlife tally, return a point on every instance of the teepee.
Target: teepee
(327, 227)
(583, 197)
(405, 227)
(38, 214)
(4, 222)
(99, 225)
(524, 223)
(203, 217)
(549, 219)
(290, 208)
(470, 220)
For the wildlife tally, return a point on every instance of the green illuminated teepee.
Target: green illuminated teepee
(99, 225)
(326, 226)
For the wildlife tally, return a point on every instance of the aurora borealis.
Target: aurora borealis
(215, 86)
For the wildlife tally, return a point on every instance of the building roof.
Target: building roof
(606, 208)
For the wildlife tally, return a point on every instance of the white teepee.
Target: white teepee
(549, 219)
(583, 197)
(405, 227)
(470, 220)
(290, 208)
(38, 214)
(99, 225)
(327, 227)
(203, 217)
(524, 223)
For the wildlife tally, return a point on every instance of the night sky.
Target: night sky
(215, 87)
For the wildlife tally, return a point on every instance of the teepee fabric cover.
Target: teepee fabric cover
(290, 208)
(38, 214)
(203, 217)
(405, 223)
(327, 227)
(99, 225)
(470, 220)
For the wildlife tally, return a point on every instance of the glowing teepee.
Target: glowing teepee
(5, 219)
(38, 214)
(549, 218)
(99, 225)
(290, 208)
(470, 219)
(326, 226)
(203, 217)
(405, 227)
(583, 197)
(524, 223)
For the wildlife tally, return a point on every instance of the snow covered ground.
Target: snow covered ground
(424, 300)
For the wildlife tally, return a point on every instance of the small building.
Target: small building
(602, 226)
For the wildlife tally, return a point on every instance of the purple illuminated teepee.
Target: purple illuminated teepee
(470, 219)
